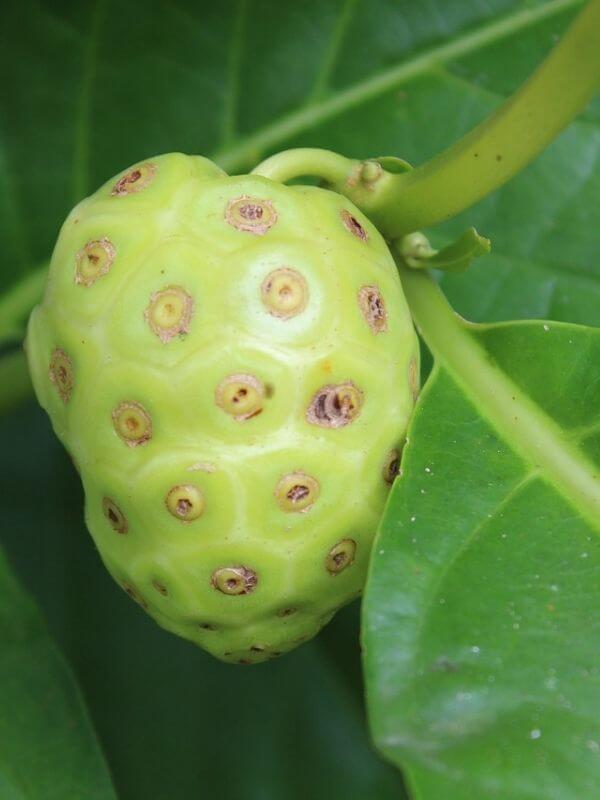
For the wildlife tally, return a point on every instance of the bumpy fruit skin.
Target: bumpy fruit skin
(232, 365)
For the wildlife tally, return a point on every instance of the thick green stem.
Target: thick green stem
(14, 380)
(304, 161)
(481, 161)
(16, 304)
(502, 145)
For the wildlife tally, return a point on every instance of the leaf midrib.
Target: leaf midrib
(531, 433)
(312, 114)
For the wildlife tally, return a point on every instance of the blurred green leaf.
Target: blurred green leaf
(481, 613)
(47, 747)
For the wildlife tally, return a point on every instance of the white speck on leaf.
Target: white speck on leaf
(546, 327)
(535, 733)
(593, 745)
(475, 649)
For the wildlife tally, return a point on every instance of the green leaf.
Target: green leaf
(481, 615)
(175, 722)
(47, 747)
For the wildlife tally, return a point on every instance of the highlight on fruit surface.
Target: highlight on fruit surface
(236, 404)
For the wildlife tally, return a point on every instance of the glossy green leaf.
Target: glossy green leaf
(481, 613)
(47, 747)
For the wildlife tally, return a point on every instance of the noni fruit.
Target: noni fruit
(232, 365)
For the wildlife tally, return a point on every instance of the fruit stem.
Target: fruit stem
(16, 304)
(502, 145)
(15, 384)
(483, 159)
(305, 161)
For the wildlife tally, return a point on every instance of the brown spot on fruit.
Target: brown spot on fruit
(297, 492)
(335, 406)
(114, 515)
(284, 293)
(353, 225)
(286, 612)
(134, 594)
(135, 180)
(160, 588)
(206, 626)
(234, 580)
(169, 313)
(241, 396)
(251, 214)
(93, 261)
(373, 308)
(61, 374)
(132, 423)
(185, 502)
(340, 556)
(391, 467)
(257, 648)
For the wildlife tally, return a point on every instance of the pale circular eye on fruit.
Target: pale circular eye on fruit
(169, 313)
(186, 502)
(234, 580)
(284, 293)
(94, 260)
(132, 423)
(251, 214)
(297, 492)
(241, 396)
(335, 406)
(341, 556)
(135, 180)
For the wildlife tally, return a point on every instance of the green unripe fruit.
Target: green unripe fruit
(232, 365)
